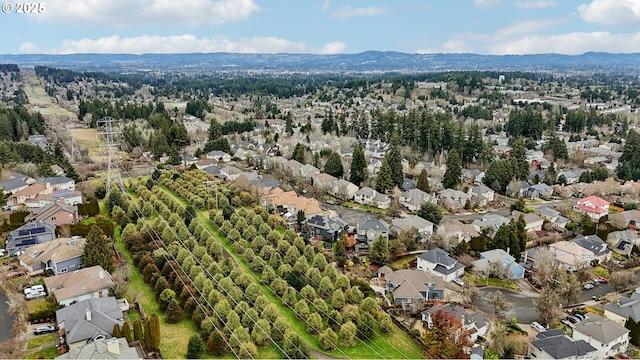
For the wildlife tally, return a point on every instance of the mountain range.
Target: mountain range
(366, 62)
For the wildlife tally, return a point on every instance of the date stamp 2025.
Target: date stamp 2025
(23, 8)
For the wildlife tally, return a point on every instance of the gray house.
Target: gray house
(58, 255)
(412, 287)
(554, 344)
(89, 318)
(37, 232)
(328, 228)
(371, 229)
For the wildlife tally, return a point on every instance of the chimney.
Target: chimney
(113, 346)
(101, 274)
(87, 313)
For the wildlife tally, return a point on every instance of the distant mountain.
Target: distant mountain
(366, 62)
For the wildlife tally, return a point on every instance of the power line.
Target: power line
(107, 126)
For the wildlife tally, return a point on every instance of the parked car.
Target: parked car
(567, 322)
(603, 280)
(33, 289)
(35, 295)
(588, 286)
(573, 319)
(43, 329)
(458, 281)
(536, 325)
(579, 316)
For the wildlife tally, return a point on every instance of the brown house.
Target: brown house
(55, 213)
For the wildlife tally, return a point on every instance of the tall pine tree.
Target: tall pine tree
(384, 182)
(358, 169)
(395, 161)
(98, 250)
(423, 181)
(453, 175)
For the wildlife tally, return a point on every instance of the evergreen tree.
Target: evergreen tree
(195, 348)
(154, 326)
(137, 330)
(629, 163)
(453, 175)
(333, 166)
(380, 252)
(395, 161)
(358, 170)
(298, 153)
(431, 212)
(423, 181)
(288, 124)
(384, 181)
(116, 330)
(146, 334)
(126, 332)
(215, 130)
(98, 250)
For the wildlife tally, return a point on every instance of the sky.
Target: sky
(322, 27)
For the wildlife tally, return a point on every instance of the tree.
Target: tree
(298, 153)
(629, 162)
(431, 212)
(358, 169)
(380, 252)
(446, 336)
(634, 330)
(384, 181)
(348, 334)
(116, 330)
(126, 331)
(499, 303)
(620, 280)
(215, 130)
(395, 161)
(328, 339)
(547, 305)
(195, 348)
(154, 325)
(470, 292)
(98, 250)
(294, 347)
(137, 330)
(453, 175)
(333, 166)
(340, 251)
(216, 344)
(570, 289)
(423, 181)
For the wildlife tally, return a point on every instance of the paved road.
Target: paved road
(521, 304)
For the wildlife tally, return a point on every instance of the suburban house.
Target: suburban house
(515, 270)
(554, 344)
(489, 223)
(453, 199)
(517, 188)
(16, 183)
(553, 216)
(471, 321)
(57, 213)
(594, 244)
(78, 285)
(414, 198)
(456, 231)
(593, 206)
(412, 287)
(539, 190)
(482, 194)
(306, 171)
(343, 189)
(623, 241)
(437, 262)
(371, 229)
(59, 183)
(469, 175)
(28, 193)
(105, 349)
(289, 201)
(605, 335)
(87, 319)
(58, 255)
(423, 226)
(230, 173)
(219, 156)
(328, 228)
(570, 255)
(368, 196)
(532, 221)
(625, 308)
(625, 219)
(29, 234)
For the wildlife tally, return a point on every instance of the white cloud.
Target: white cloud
(611, 12)
(571, 44)
(450, 47)
(346, 12)
(522, 27)
(534, 4)
(486, 4)
(186, 43)
(139, 12)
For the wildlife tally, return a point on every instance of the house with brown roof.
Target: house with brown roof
(82, 284)
(289, 201)
(28, 193)
(456, 231)
(410, 287)
(625, 219)
(59, 255)
(57, 213)
(323, 180)
(532, 221)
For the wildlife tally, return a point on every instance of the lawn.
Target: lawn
(48, 353)
(41, 340)
(399, 263)
(600, 271)
(495, 283)
(39, 304)
(364, 207)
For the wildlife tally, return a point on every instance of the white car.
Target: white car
(536, 325)
(35, 295)
(588, 286)
(458, 281)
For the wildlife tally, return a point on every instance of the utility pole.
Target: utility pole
(109, 129)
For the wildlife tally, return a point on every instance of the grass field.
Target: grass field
(48, 353)
(41, 340)
(40, 101)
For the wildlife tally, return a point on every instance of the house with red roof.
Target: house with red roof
(593, 206)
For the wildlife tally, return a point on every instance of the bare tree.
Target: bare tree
(545, 265)
(470, 292)
(547, 305)
(570, 289)
(620, 280)
(499, 302)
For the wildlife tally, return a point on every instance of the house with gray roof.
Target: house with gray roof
(371, 229)
(594, 244)
(38, 140)
(414, 198)
(553, 216)
(453, 199)
(16, 183)
(328, 228)
(365, 196)
(105, 349)
(606, 335)
(532, 221)
(82, 284)
(625, 308)
(413, 287)
(482, 194)
(437, 262)
(219, 156)
(29, 234)
(473, 322)
(490, 223)
(87, 319)
(625, 219)
(60, 183)
(554, 344)
(58, 255)
(539, 190)
(423, 226)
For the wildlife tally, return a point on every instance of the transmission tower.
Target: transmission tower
(75, 149)
(109, 130)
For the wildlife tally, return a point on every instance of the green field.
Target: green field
(41, 340)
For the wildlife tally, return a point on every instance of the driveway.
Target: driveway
(521, 304)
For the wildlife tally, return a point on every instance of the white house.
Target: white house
(532, 221)
(423, 226)
(438, 262)
(471, 321)
(605, 335)
(593, 206)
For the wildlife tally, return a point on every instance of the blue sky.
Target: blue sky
(307, 26)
